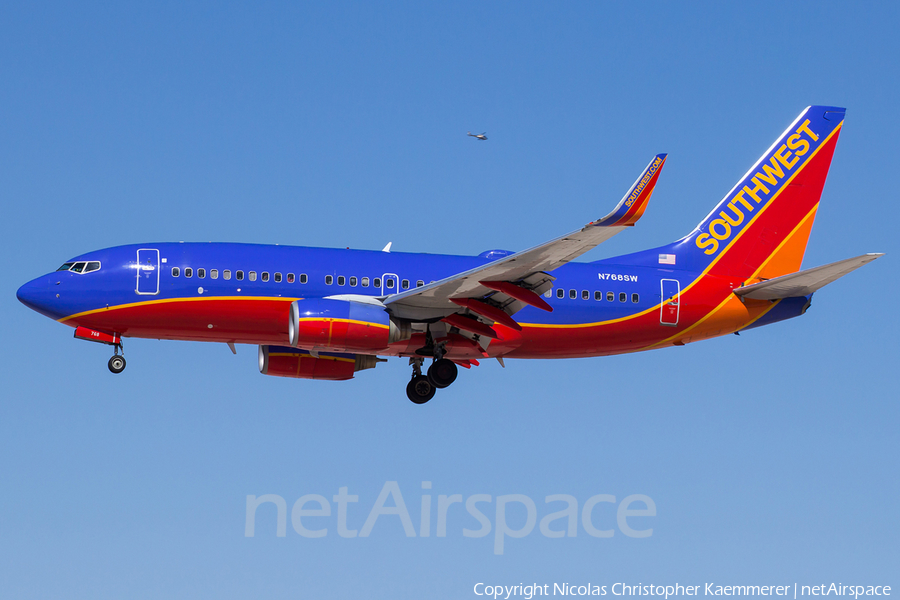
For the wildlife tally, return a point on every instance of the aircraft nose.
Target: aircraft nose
(39, 295)
(28, 294)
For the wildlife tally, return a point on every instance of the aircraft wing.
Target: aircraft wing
(805, 282)
(513, 281)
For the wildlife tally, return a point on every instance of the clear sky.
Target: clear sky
(771, 458)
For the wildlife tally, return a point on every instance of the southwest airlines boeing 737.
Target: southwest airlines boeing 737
(319, 313)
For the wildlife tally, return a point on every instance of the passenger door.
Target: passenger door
(147, 271)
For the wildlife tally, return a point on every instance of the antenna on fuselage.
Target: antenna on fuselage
(387, 248)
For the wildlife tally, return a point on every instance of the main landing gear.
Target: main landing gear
(441, 374)
(116, 364)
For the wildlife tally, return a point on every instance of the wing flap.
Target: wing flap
(804, 282)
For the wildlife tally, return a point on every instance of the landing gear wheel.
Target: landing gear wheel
(420, 390)
(442, 373)
(116, 364)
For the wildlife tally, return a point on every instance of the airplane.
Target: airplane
(480, 136)
(321, 313)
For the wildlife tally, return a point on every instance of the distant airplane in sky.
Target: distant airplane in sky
(480, 136)
(319, 313)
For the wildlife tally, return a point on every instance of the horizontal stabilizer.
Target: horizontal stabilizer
(805, 282)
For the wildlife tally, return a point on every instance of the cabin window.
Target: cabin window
(573, 294)
(176, 271)
(585, 295)
(598, 295)
(65, 267)
(623, 296)
(201, 273)
(420, 283)
(277, 277)
(377, 282)
(188, 272)
(92, 266)
(226, 274)
(560, 293)
(213, 273)
(405, 284)
(389, 282)
(610, 296)
(635, 298)
(239, 275)
(290, 278)
(78, 267)
(353, 281)
(548, 293)
(252, 276)
(264, 276)
(365, 282)
(329, 280)
(303, 278)
(342, 280)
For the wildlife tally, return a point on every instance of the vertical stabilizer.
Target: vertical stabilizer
(761, 227)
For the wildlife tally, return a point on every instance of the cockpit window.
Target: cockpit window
(81, 267)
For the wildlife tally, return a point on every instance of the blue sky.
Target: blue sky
(771, 457)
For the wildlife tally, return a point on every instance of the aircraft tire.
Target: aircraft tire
(420, 390)
(442, 373)
(116, 364)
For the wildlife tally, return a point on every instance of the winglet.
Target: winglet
(632, 206)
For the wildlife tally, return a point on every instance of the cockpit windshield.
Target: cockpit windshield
(81, 266)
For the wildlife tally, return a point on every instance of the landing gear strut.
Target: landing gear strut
(420, 389)
(116, 364)
(441, 373)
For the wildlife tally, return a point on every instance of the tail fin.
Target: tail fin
(761, 227)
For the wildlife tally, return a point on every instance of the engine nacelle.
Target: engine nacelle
(343, 325)
(282, 361)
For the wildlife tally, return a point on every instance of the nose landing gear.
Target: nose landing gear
(116, 363)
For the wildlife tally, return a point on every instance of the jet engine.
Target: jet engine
(282, 361)
(343, 325)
